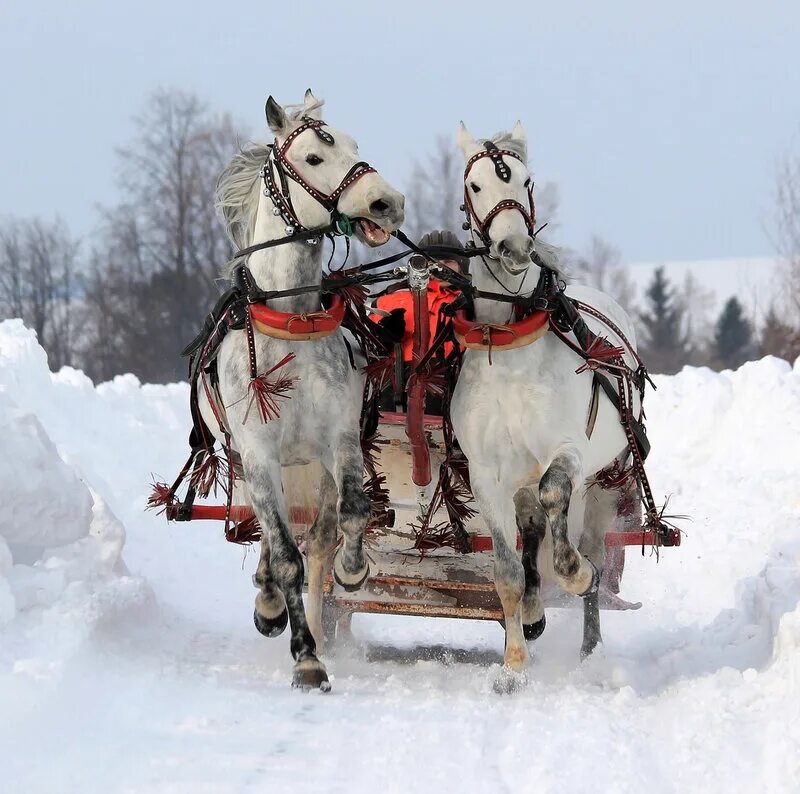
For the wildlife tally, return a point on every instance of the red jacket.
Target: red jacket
(439, 294)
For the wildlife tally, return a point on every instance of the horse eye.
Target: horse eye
(313, 159)
(475, 188)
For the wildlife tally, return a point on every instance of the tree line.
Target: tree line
(131, 295)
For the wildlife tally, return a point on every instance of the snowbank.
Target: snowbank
(110, 690)
(60, 544)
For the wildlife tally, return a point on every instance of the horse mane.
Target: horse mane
(239, 188)
(504, 140)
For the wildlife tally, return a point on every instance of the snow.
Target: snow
(145, 674)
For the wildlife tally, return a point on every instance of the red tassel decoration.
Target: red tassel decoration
(599, 353)
(265, 393)
(161, 496)
(212, 473)
(244, 532)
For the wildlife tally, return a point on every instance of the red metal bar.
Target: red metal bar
(415, 416)
(397, 418)
(635, 537)
(298, 514)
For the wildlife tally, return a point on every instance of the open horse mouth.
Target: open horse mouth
(370, 233)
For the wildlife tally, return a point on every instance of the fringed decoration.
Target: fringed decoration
(265, 393)
(600, 353)
(613, 477)
(161, 496)
(378, 494)
(244, 532)
(212, 473)
(663, 527)
(430, 537)
(380, 372)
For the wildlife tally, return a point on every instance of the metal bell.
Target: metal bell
(462, 207)
(276, 211)
(465, 226)
(267, 193)
(289, 231)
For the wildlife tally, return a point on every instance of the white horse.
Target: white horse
(521, 415)
(311, 172)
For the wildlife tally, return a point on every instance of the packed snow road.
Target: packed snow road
(136, 667)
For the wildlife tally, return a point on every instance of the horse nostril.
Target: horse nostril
(379, 207)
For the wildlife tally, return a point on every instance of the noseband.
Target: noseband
(278, 164)
(481, 227)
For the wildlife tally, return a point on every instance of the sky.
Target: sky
(660, 123)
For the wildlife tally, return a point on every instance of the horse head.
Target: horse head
(320, 177)
(498, 196)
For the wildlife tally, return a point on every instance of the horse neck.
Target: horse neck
(499, 312)
(285, 266)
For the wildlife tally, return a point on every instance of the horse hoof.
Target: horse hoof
(587, 649)
(508, 681)
(271, 627)
(349, 581)
(310, 674)
(533, 631)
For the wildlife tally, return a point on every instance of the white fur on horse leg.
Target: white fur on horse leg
(497, 510)
(316, 580)
(321, 538)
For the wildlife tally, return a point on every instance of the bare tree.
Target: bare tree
(787, 229)
(601, 266)
(38, 263)
(697, 303)
(435, 191)
(161, 248)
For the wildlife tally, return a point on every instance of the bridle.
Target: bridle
(473, 222)
(277, 164)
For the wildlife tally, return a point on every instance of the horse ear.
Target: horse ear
(276, 117)
(519, 137)
(311, 104)
(465, 140)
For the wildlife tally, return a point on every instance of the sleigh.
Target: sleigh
(426, 574)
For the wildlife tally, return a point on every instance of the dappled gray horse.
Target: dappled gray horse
(311, 174)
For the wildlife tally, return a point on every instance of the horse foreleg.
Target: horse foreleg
(532, 525)
(509, 575)
(350, 567)
(575, 573)
(280, 555)
(270, 616)
(319, 550)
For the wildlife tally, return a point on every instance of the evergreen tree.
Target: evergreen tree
(664, 344)
(733, 336)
